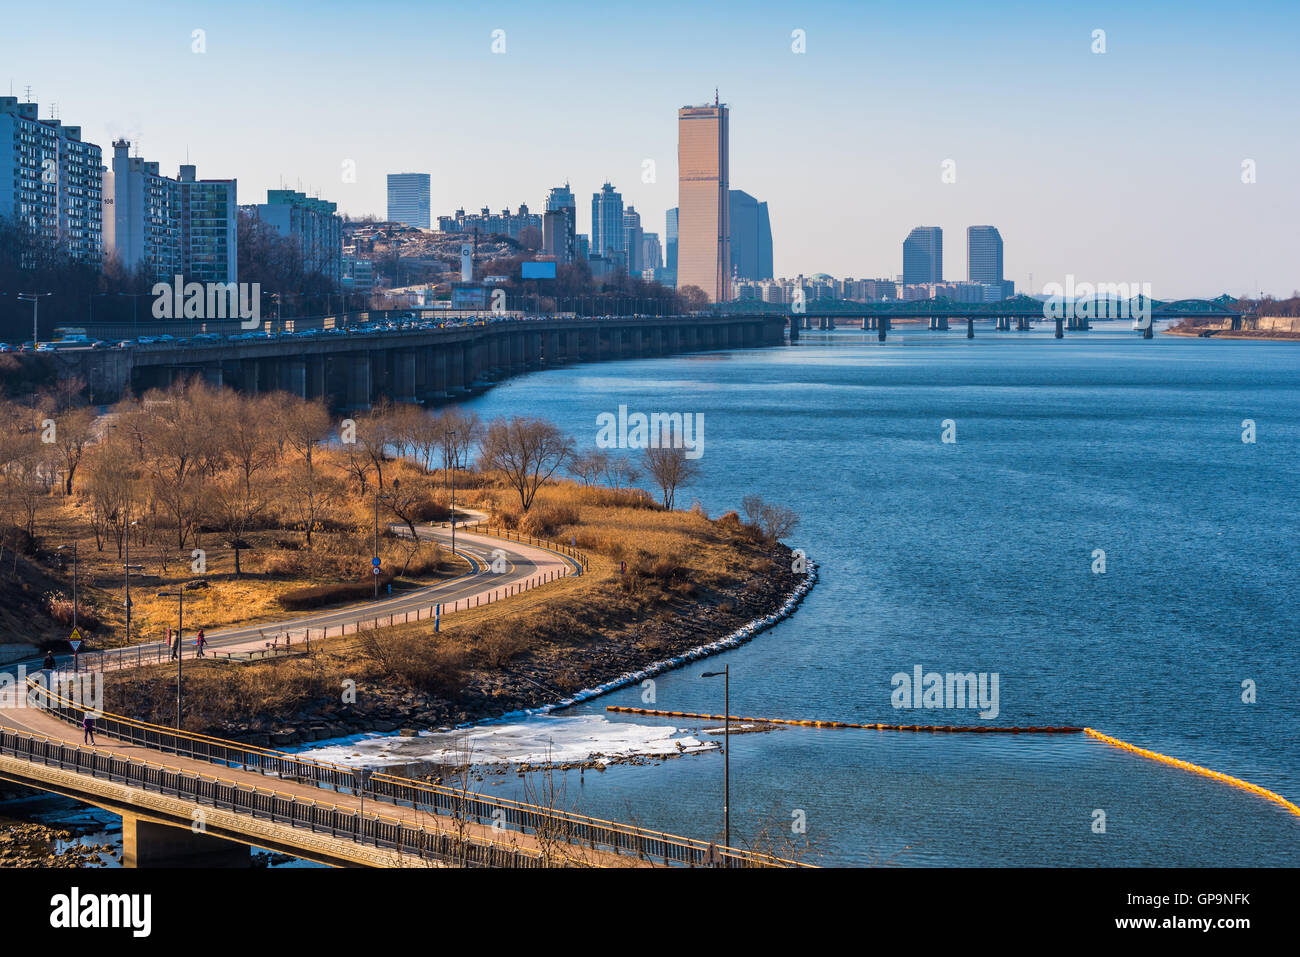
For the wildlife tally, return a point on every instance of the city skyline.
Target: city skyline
(1068, 149)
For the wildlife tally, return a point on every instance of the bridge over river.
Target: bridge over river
(351, 367)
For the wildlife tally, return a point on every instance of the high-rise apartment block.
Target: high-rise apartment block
(50, 180)
(165, 227)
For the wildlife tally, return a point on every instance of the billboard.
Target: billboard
(538, 270)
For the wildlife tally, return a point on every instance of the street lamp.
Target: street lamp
(725, 675)
(178, 594)
(35, 299)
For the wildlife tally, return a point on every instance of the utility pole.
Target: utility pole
(375, 570)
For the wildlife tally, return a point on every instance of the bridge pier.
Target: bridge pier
(883, 326)
(147, 843)
(358, 388)
(1060, 331)
(1148, 331)
(970, 327)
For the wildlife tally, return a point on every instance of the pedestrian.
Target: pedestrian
(48, 663)
(200, 640)
(175, 640)
(88, 729)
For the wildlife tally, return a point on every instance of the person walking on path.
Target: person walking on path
(200, 640)
(88, 729)
(176, 644)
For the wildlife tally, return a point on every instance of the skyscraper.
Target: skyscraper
(670, 246)
(632, 235)
(923, 255)
(751, 237)
(560, 197)
(408, 199)
(983, 254)
(703, 239)
(607, 223)
(50, 181)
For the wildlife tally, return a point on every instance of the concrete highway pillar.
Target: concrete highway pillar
(212, 374)
(404, 373)
(358, 382)
(294, 377)
(150, 844)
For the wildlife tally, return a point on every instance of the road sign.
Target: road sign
(375, 561)
(375, 569)
(75, 645)
(75, 636)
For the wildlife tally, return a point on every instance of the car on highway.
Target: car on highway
(6, 347)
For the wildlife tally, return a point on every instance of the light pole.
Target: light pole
(178, 594)
(725, 675)
(375, 569)
(35, 299)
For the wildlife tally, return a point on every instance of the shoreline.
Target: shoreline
(1239, 335)
(733, 617)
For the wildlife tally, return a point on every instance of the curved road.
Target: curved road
(526, 566)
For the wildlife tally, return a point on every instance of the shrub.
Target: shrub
(59, 607)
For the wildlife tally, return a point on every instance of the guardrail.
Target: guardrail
(377, 830)
(574, 829)
(486, 528)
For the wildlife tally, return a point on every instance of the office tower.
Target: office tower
(312, 224)
(583, 246)
(751, 237)
(607, 224)
(166, 227)
(50, 181)
(632, 235)
(983, 254)
(923, 255)
(703, 241)
(670, 246)
(652, 255)
(560, 225)
(408, 199)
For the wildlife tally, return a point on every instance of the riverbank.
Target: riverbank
(1258, 335)
(662, 586)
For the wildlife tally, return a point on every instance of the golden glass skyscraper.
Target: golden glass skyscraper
(703, 229)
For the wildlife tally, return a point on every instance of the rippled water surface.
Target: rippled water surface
(977, 556)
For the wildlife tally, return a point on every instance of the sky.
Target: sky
(1116, 166)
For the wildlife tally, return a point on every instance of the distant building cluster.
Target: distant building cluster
(716, 239)
(504, 223)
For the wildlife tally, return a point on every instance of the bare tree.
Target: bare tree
(305, 425)
(773, 521)
(526, 451)
(670, 469)
(589, 466)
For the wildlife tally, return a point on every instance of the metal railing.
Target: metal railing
(379, 831)
(563, 826)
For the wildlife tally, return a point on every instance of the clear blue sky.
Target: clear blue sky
(1123, 166)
